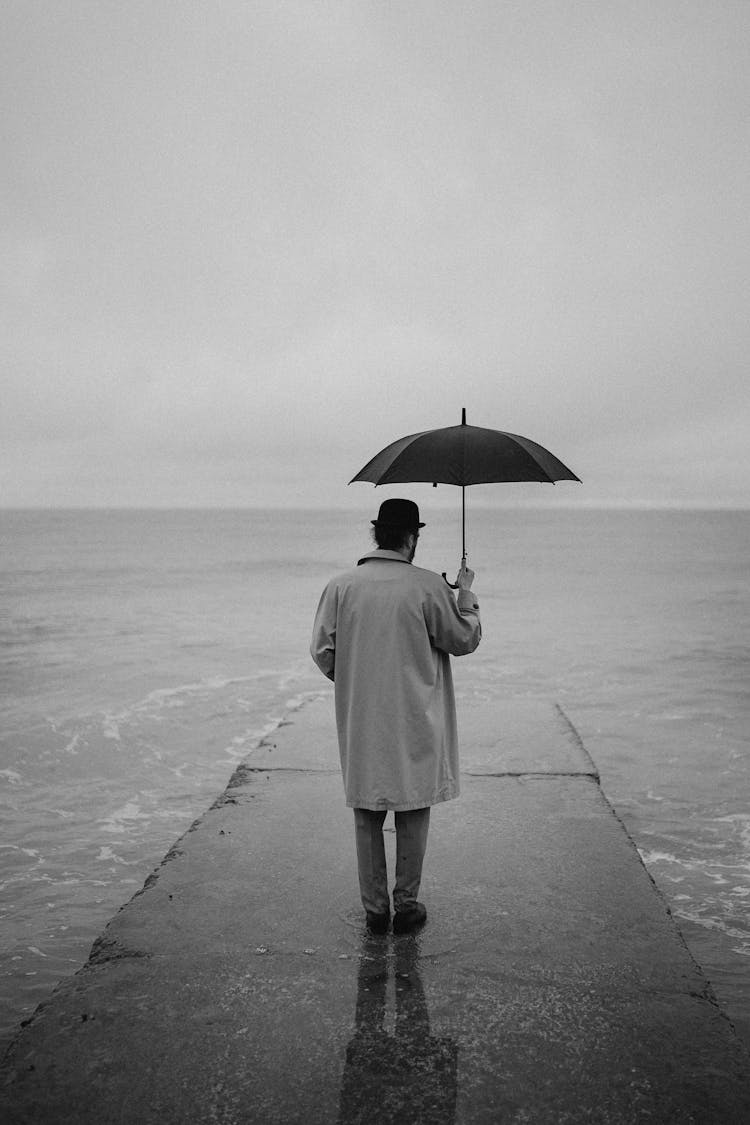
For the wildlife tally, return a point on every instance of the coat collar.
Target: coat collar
(388, 556)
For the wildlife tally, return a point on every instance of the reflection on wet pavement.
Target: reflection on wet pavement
(403, 1074)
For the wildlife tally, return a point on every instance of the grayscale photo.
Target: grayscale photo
(374, 584)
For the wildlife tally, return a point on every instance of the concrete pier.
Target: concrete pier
(550, 983)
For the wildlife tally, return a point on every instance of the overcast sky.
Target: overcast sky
(244, 245)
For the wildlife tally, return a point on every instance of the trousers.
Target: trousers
(411, 843)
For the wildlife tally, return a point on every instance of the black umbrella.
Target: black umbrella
(463, 455)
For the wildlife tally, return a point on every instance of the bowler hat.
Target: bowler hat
(398, 513)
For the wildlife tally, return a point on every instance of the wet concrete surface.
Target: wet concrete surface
(550, 983)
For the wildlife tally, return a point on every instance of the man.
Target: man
(384, 633)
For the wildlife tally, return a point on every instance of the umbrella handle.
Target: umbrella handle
(454, 585)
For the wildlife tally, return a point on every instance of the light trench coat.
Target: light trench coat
(384, 633)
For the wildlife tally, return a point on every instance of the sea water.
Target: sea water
(144, 654)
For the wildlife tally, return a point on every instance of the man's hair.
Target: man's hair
(390, 538)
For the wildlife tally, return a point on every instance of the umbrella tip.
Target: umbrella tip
(463, 415)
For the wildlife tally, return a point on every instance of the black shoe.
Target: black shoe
(404, 921)
(378, 923)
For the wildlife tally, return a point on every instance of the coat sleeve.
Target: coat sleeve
(454, 626)
(323, 644)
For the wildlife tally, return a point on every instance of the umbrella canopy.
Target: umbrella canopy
(463, 455)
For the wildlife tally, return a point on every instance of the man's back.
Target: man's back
(384, 632)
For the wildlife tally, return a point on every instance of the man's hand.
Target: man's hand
(465, 577)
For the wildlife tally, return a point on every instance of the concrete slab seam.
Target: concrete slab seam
(533, 773)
